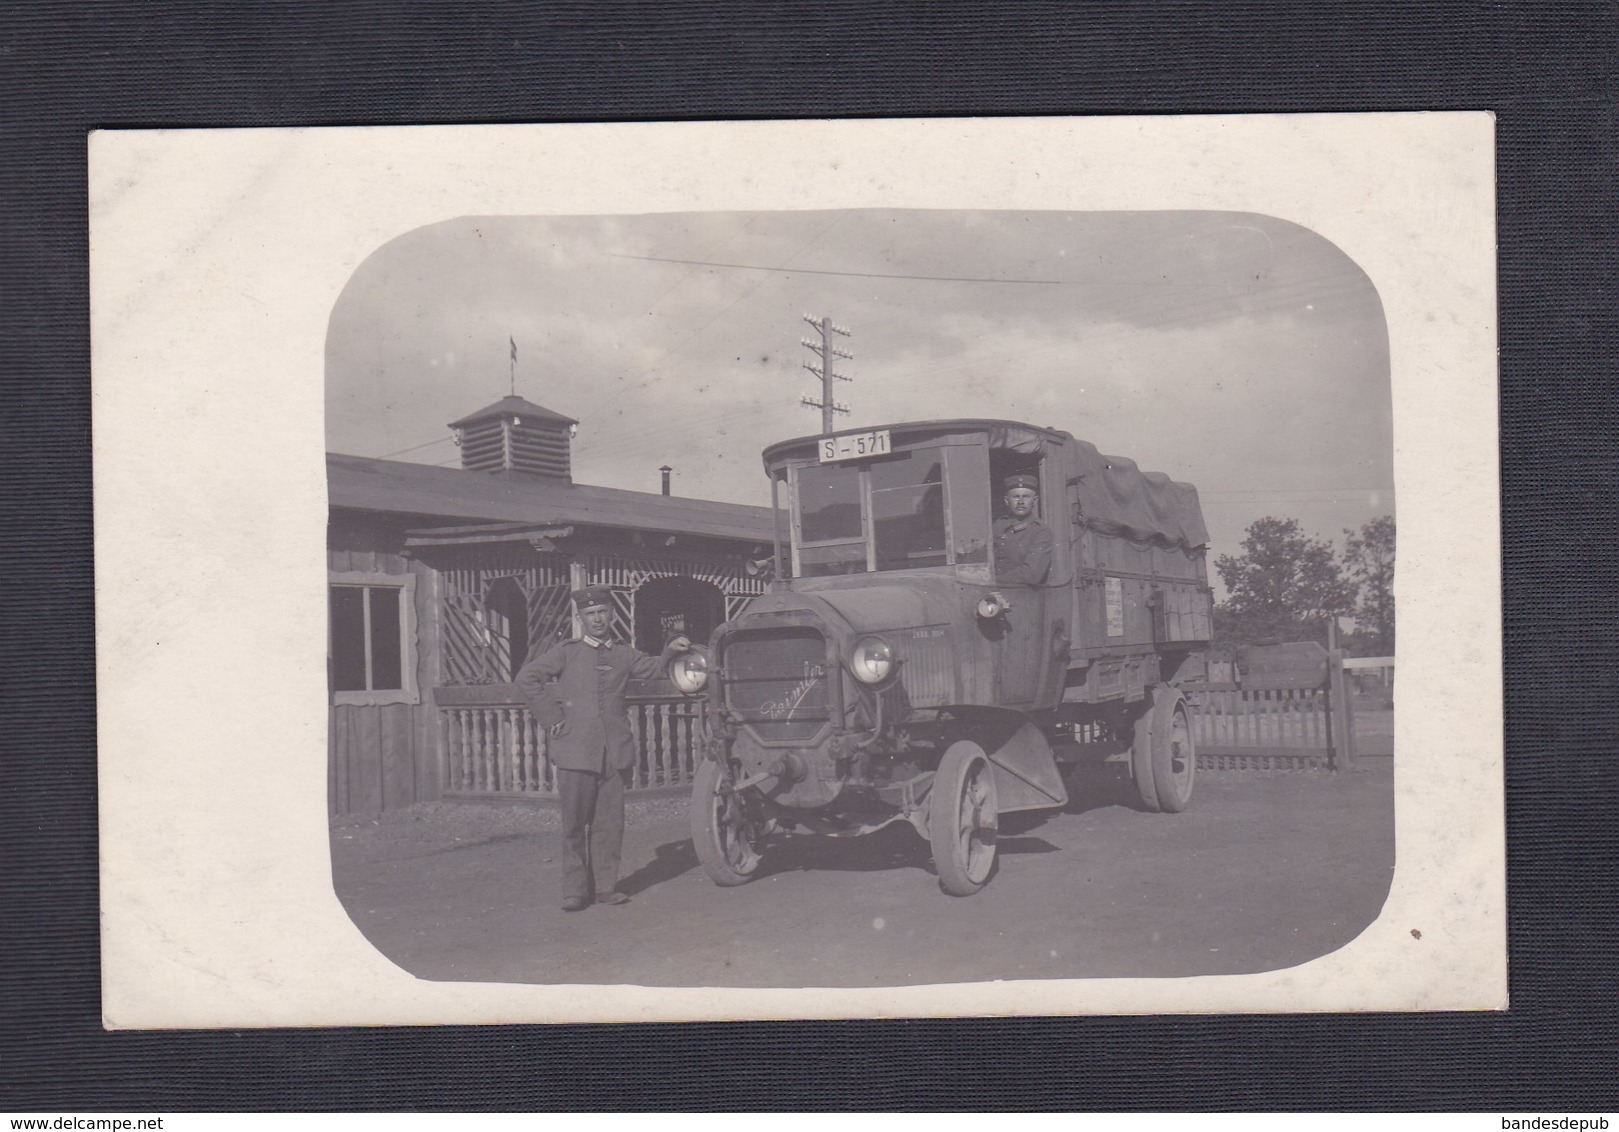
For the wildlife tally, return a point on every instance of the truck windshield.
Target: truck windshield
(914, 509)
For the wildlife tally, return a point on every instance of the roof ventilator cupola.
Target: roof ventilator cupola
(516, 435)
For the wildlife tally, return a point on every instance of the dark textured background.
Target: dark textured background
(1548, 70)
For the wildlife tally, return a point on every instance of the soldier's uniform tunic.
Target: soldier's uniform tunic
(1022, 551)
(592, 749)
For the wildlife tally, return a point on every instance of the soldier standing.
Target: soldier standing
(576, 691)
(1022, 542)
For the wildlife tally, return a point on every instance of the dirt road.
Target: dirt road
(1265, 870)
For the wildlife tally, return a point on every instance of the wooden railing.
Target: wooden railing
(497, 749)
(493, 750)
(666, 736)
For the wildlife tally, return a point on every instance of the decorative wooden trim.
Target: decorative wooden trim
(468, 652)
(630, 573)
(625, 576)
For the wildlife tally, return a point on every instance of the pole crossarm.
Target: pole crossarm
(825, 354)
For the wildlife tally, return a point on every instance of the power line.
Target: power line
(717, 315)
(414, 447)
(1199, 308)
(1326, 494)
(862, 274)
(1112, 284)
(1186, 309)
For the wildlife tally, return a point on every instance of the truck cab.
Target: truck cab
(896, 671)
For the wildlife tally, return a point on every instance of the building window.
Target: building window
(372, 642)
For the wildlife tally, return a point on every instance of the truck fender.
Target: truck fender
(1026, 772)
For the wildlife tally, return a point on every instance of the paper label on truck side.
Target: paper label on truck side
(1115, 607)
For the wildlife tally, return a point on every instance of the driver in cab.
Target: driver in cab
(1022, 542)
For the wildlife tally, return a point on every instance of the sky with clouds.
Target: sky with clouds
(1239, 352)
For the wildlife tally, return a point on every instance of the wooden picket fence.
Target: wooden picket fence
(1270, 722)
(1240, 728)
(497, 750)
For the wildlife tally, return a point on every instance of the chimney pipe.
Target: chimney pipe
(666, 469)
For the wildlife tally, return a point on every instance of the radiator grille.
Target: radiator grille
(778, 682)
(927, 665)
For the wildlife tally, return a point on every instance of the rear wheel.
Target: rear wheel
(1163, 756)
(721, 829)
(962, 819)
(1174, 755)
(1141, 762)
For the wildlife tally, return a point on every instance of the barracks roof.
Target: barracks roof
(396, 487)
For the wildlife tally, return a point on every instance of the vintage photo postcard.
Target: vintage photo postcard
(797, 569)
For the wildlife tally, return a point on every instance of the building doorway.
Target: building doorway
(506, 611)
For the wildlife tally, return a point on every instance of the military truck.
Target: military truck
(887, 676)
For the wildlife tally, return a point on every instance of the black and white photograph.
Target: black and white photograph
(820, 590)
(1044, 560)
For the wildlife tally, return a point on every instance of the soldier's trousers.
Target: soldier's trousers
(592, 831)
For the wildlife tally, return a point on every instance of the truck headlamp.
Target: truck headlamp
(992, 605)
(689, 671)
(872, 660)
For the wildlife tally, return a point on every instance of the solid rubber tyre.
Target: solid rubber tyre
(719, 830)
(962, 819)
(1141, 758)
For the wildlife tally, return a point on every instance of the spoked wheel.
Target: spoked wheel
(721, 828)
(1163, 756)
(962, 819)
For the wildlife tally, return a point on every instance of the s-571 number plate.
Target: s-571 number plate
(855, 446)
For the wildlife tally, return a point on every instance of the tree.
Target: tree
(1284, 585)
(1369, 562)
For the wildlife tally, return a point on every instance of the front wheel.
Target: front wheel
(962, 819)
(720, 828)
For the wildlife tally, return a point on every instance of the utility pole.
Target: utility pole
(827, 354)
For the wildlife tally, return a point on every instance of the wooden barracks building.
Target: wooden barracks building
(444, 581)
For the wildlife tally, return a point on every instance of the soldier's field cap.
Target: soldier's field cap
(592, 597)
(1021, 480)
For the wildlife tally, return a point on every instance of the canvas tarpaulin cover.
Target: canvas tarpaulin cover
(1118, 498)
(1115, 496)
